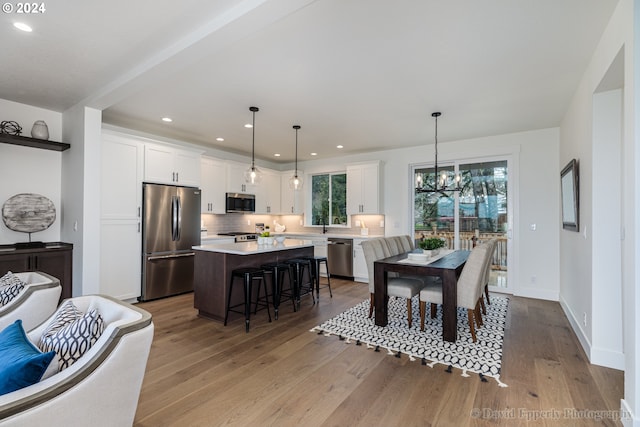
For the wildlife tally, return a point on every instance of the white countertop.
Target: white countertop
(249, 248)
(289, 235)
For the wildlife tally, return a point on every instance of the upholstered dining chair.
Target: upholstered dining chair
(403, 287)
(469, 289)
(484, 285)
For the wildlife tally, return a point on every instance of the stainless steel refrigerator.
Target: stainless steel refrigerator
(170, 227)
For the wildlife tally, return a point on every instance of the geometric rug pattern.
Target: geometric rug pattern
(484, 357)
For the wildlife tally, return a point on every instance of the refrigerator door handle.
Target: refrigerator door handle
(179, 229)
(153, 258)
(174, 218)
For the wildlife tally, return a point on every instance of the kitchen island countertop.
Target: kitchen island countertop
(252, 248)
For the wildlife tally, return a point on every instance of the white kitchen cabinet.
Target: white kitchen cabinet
(268, 192)
(291, 201)
(164, 164)
(235, 178)
(360, 272)
(213, 183)
(363, 188)
(120, 259)
(120, 221)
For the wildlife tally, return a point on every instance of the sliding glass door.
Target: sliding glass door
(477, 213)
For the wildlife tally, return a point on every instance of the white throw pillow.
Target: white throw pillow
(71, 334)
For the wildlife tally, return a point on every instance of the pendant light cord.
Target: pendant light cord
(296, 127)
(253, 140)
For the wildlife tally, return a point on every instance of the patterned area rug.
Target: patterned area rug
(483, 357)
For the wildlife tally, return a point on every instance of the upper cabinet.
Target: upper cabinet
(213, 183)
(121, 177)
(235, 178)
(165, 164)
(268, 192)
(291, 201)
(363, 188)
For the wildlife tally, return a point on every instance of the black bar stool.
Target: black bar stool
(299, 265)
(315, 272)
(248, 275)
(277, 271)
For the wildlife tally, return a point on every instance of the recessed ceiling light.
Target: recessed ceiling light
(314, 154)
(339, 146)
(22, 26)
(248, 125)
(167, 119)
(276, 155)
(219, 139)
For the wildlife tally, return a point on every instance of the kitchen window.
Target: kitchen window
(329, 199)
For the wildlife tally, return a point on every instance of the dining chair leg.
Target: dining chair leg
(484, 309)
(486, 292)
(470, 314)
(409, 315)
(371, 302)
(423, 309)
(434, 307)
(477, 313)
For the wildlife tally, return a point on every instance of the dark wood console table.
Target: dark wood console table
(55, 258)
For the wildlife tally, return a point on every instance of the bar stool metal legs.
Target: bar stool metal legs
(299, 265)
(248, 275)
(316, 261)
(278, 271)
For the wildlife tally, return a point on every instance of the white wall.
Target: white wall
(535, 182)
(577, 291)
(81, 195)
(22, 168)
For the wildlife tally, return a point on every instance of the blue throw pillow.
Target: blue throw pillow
(21, 363)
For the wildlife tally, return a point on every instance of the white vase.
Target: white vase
(40, 130)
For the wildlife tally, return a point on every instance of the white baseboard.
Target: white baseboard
(627, 416)
(577, 328)
(537, 294)
(596, 355)
(607, 358)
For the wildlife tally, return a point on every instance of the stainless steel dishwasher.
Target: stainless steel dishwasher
(340, 257)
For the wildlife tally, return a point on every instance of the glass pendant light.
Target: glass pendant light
(252, 175)
(295, 182)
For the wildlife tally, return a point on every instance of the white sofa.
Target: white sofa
(102, 387)
(35, 303)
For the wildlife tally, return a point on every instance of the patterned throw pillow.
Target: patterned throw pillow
(71, 334)
(10, 287)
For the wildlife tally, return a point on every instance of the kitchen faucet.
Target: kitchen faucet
(324, 226)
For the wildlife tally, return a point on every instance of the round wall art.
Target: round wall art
(28, 213)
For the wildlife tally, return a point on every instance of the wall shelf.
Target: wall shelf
(33, 142)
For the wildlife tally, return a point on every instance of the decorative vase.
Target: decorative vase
(40, 130)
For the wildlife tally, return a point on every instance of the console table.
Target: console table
(55, 258)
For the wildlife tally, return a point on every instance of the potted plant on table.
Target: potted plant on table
(431, 246)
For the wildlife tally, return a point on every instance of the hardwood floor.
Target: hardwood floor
(201, 373)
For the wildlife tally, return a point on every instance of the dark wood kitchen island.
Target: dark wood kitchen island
(214, 264)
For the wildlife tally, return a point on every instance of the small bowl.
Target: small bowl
(280, 239)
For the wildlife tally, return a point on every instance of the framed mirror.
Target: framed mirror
(570, 196)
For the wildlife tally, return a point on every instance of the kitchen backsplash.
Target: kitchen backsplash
(247, 222)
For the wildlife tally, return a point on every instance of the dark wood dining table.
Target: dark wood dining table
(448, 268)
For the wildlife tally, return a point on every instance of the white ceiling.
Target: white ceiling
(362, 73)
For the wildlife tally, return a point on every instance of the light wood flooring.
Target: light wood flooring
(201, 373)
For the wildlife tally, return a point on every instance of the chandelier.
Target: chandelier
(441, 182)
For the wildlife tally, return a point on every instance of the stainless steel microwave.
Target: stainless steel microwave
(240, 203)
